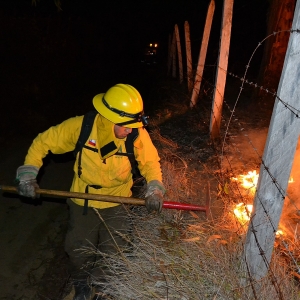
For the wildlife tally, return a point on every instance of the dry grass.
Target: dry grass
(182, 255)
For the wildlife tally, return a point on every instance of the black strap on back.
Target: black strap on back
(130, 153)
(86, 128)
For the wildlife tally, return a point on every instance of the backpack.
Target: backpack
(86, 128)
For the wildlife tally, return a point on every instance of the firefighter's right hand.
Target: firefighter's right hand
(154, 202)
(154, 196)
(26, 178)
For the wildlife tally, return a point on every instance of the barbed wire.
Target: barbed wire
(248, 65)
(274, 181)
(268, 217)
(295, 111)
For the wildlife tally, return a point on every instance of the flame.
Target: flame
(242, 212)
(279, 233)
(249, 181)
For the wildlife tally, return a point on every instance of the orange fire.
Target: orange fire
(243, 212)
(291, 180)
(279, 233)
(249, 181)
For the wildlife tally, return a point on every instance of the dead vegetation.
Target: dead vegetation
(183, 255)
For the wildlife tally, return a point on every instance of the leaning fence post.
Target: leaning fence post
(179, 53)
(276, 163)
(188, 54)
(202, 54)
(216, 114)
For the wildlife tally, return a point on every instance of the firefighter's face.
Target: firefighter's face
(121, 132)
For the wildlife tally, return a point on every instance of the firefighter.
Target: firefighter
(100, 168)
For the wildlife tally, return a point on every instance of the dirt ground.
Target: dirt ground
(32, 232)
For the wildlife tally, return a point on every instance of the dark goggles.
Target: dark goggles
(139, 117)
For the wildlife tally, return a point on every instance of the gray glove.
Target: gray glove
(26, 177)
(154, 196)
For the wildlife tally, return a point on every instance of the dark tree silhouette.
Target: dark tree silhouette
(279, 21)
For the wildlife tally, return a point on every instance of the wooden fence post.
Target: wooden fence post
(202, 54)
(216, 114)
(179, 53)
(188, 55)
(277, 162)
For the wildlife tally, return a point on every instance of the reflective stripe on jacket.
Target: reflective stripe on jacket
(101, 168)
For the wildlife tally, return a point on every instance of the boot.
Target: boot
(82, 291)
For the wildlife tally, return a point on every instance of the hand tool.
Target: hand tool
(114, 199)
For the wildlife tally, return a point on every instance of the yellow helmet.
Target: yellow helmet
(122, 104)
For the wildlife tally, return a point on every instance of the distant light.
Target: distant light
(155, 45)
(150, 45)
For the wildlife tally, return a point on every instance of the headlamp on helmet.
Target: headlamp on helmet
(139, 117)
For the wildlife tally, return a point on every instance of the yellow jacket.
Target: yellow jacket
(102, 168)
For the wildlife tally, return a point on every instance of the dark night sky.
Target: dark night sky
(74, 54)
(137, 22)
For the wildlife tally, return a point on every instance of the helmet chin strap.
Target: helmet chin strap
(139, 117)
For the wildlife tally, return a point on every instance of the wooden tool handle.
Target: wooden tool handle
(66, 194)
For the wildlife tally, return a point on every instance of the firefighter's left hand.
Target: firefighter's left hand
(154, 196)
(26, 178)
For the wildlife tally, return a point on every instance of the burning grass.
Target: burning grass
(182, 255)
